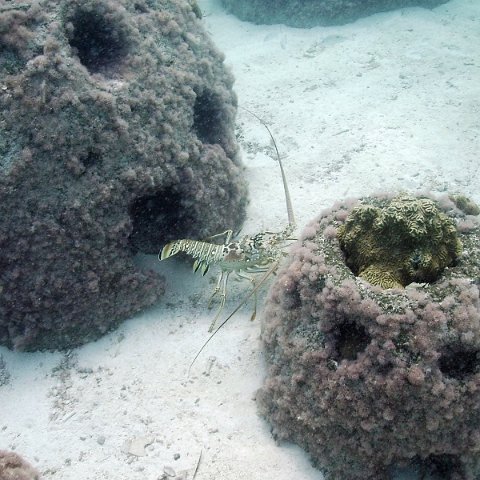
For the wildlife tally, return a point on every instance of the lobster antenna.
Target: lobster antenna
(291, 221)
(288, 201)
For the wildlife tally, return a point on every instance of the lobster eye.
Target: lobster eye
(258, 240)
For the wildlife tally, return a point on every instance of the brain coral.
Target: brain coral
(369, 380)
(397, 241)
(308, 13)
(116, 136)
(14, 467)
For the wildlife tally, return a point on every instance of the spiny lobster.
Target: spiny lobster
(252, 254)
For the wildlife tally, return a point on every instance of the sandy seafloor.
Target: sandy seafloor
(390, 102)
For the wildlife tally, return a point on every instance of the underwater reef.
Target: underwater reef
(116, 136)
(14, 467)
(370, 379)
(309, 13)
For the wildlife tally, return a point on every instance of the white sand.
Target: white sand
(390, 102)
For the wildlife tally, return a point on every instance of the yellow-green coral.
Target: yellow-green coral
(465, 204)
(391, 243)
(196, 9)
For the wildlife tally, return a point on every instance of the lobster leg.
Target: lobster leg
(264, 278)
(250, 279)
(222, 288)
(227, 234)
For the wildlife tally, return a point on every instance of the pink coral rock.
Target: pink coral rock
(369, 380)
(116, 136)
(14, 467)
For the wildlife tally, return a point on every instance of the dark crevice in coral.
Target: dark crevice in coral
(293, 300)
(458, 362)
(91, 158)
(10, 62)
(433, 467)
(441, 467)
(100, 43)
(385, 369)
(157, 219)
(207, 117)
(350, 340)
(140, 7)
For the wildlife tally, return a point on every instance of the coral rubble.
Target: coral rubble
(308, 13)
(368, 379)
(116, 136)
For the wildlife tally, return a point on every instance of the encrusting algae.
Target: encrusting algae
(367, 379)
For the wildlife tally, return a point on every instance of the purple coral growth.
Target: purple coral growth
(369, 380)
(116, 136)
(14, 467)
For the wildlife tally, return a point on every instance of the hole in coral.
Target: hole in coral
(10, 62)
(140, 7)
(158, 219)
(350, 340)
(459, 363)
(384, 369)
(90, 159)
(434, 467)
(208, 117)
(100, 42)
(441, 467)
(292, 300)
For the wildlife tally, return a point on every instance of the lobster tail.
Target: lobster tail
(203, 252)
(169, 250)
